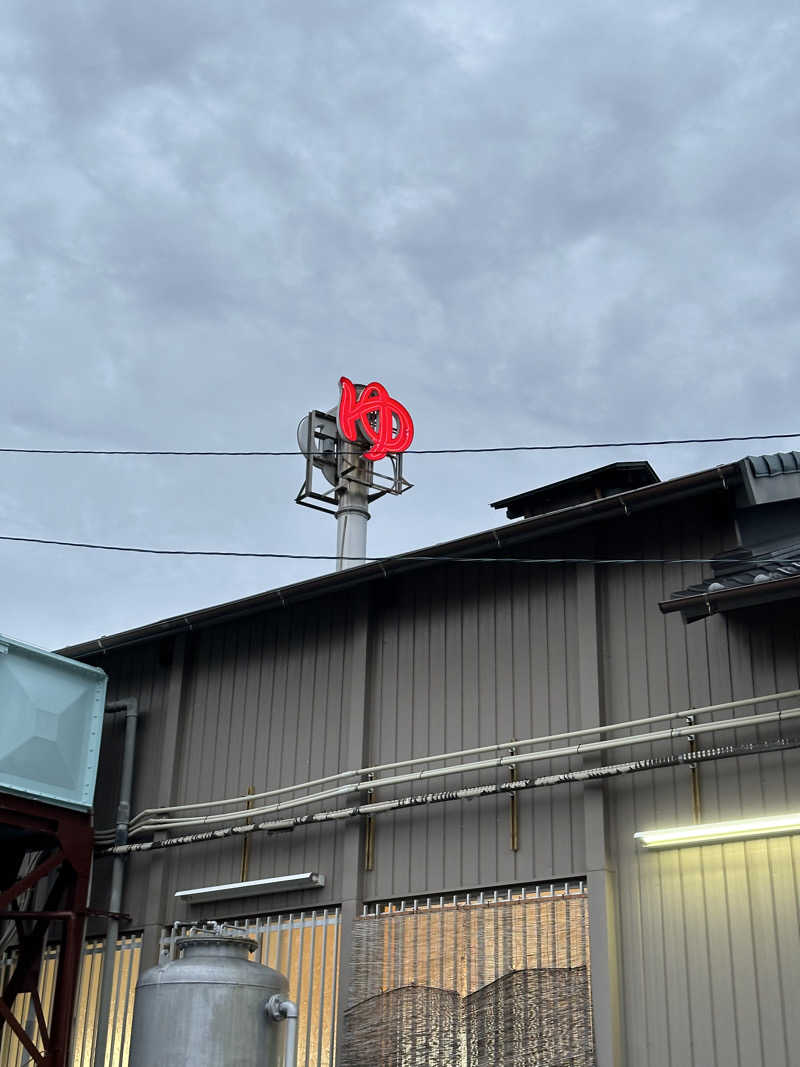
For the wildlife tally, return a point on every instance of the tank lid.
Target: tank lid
(217, 938)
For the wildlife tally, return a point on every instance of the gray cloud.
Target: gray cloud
(534, 223)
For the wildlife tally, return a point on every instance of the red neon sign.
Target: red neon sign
(376, 416)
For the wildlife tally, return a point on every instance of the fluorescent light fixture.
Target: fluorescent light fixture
(283, 883)
(730, 830)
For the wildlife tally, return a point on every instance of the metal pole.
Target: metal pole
(352, 512)
(131, 709)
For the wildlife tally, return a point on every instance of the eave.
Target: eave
(704, 604)
(486, 542)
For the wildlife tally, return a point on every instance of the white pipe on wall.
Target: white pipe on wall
(467, 793)
(143, 815)
(479, 765)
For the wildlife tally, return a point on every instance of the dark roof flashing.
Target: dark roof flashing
(768, 479)
(609, 480)
(766, 565)
(729, 598)
(775, 465)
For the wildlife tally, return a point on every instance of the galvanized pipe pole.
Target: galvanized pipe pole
(352, 512)
(131, 709)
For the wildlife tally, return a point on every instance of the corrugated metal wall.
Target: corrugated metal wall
(455, 659)
(263, 708)
(710, 939)
(460, 658)
(261, 705)
(141, 673)
(462, 655)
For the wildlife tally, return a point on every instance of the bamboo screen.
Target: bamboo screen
(485, 980)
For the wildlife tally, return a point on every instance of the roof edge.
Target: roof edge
(492, 540)
(704, 604)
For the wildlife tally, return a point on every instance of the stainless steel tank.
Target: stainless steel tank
(213, 1007)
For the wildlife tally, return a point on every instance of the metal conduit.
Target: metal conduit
(691, 729)
(131, 709)
(143, 815)
(712, 755)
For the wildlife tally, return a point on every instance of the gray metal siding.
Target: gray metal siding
(709, 937)
(456, 658)
(141, 675)
(262, 706)
(710, 944)
(464, 655)
(461, 658)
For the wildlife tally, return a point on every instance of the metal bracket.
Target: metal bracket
(327, 452)
(100, 913)
(273, 1008)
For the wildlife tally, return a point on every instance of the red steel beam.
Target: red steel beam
(69, 834)
(31, 879)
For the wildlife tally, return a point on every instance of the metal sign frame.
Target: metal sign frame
(323, 447)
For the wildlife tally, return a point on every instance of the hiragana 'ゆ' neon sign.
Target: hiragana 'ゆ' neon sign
(376, 416)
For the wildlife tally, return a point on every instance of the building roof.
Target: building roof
(488, 542)
(610, 480)
(774, 465)
(745, 568)
(740, 579)
(767, 565)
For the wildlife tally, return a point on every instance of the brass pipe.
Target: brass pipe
(694, 771)
(369, 837)
(514, 803)
(246, 842)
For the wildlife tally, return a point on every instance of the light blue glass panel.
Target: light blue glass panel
(51, 711)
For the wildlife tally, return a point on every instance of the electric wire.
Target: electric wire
(411, 451)
(411, 557)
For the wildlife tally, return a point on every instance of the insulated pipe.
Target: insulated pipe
(131, 709)
(589, 774)
(143, 815)
(278, 1009)
(482, 765)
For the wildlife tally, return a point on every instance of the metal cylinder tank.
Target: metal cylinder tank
(207, 1009)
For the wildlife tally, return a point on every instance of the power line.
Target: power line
(410, 556)
(411, 451)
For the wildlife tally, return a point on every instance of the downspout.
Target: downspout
(131, 709)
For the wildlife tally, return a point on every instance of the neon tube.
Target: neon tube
(730, 830)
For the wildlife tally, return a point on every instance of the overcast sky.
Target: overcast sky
(534, 222)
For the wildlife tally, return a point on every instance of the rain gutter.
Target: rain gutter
(741, 596)
(491, 541)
